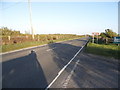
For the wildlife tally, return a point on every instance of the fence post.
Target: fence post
(9, 38)
(38, 37)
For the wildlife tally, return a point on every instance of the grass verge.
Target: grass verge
(104, 50)
(11, 47)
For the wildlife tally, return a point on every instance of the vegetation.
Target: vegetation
(109, 33)
(12, 40)
(105, 50)
(10, 47)
(107, 36)
(105, 45)
(8, 32)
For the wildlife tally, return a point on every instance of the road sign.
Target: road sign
(95, 33)
(117, 40)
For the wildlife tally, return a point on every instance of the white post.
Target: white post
(97, 39)
(9, 38)
(93, 39)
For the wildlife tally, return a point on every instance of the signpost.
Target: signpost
(93, 34)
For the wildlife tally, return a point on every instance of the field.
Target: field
(110, 50)
(24, 43)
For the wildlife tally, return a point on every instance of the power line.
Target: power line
(4, 8)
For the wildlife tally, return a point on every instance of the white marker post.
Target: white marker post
(9, 38)
(93, 39)
(93, 34)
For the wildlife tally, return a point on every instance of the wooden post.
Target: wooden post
(9, 38)
(38, 37)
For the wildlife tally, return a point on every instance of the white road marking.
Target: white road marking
(70, 43)
(69, 76)
(50, 49)
(59, 73)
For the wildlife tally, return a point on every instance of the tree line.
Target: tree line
(108, 33)
(8, 32)
(107, 36)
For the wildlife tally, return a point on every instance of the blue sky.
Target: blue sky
(61, 17)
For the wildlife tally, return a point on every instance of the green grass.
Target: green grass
(111, 50)
(11, 47)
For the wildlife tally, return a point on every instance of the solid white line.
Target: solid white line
(70, 75)
(59, 73)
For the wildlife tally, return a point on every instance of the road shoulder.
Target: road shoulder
(92, 71)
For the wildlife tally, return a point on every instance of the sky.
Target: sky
(60, 17)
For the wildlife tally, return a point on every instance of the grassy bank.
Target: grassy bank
(104, 50)
(10, 47)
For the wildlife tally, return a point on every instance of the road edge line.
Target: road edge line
(59, 73)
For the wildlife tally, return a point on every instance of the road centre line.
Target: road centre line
(59, 73)
(50, 49)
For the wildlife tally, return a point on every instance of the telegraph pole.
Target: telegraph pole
(30, 11)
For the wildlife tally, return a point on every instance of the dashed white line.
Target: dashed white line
(59, 73)
(69, 76)
(50, 49)
(70, 43)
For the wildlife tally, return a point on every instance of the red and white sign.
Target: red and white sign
(95, 33)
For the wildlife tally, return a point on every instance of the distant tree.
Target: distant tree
(103, 35)
(110, 34)
(8, 32)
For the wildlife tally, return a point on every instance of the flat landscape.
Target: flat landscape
(42, 67)
(59, 44)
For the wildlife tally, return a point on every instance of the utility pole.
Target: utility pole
(29, 6)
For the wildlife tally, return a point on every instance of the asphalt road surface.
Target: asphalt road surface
(42, 67)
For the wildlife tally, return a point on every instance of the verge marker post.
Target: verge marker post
(9, 38)
(93, 39)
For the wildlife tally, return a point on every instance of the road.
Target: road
(42, 67)
(89, 71)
